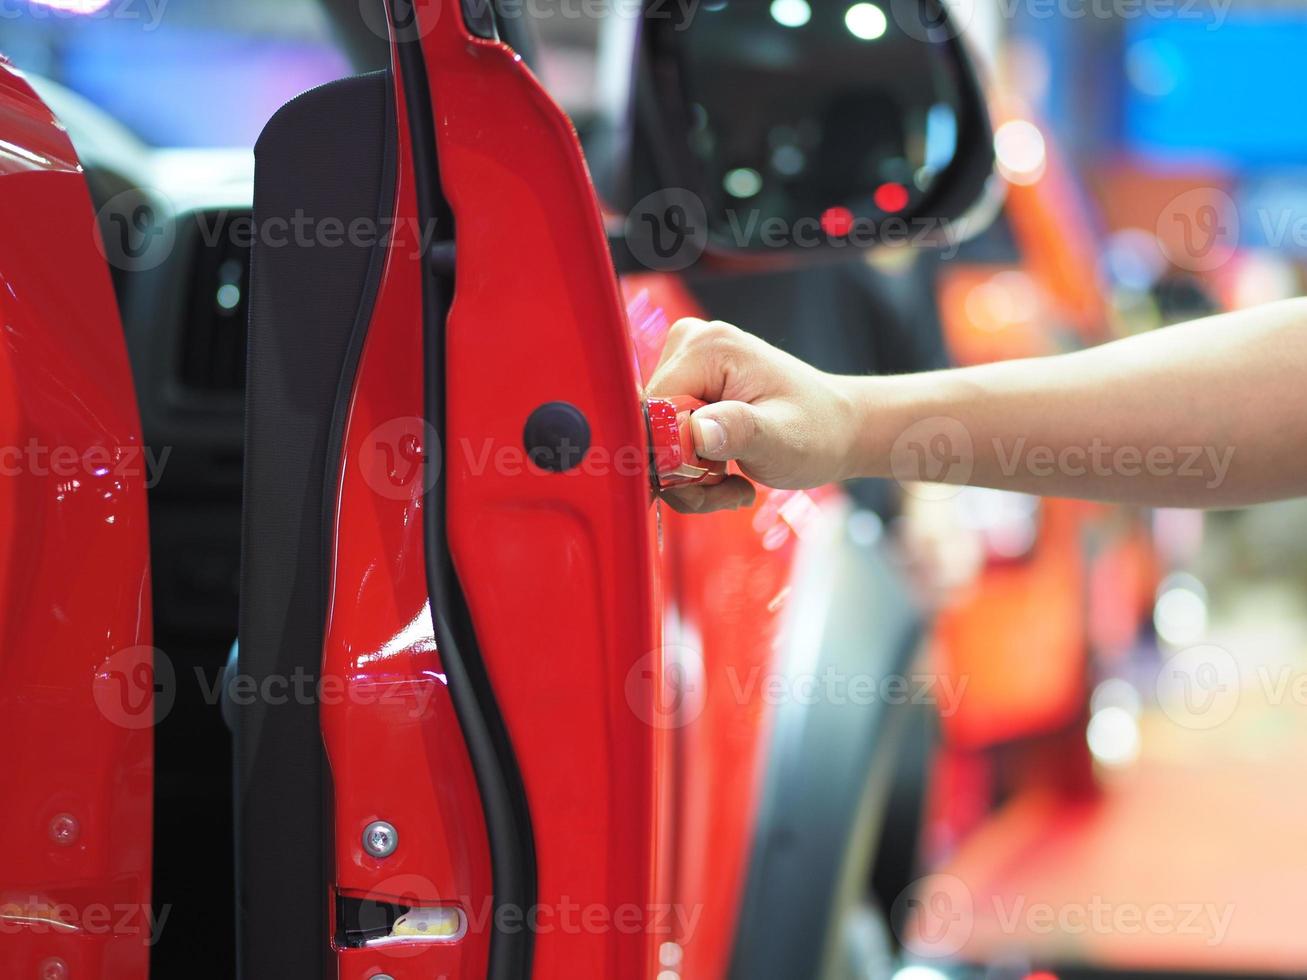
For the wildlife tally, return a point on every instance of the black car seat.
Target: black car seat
(328, 154)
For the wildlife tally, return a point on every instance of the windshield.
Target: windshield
(224, 67)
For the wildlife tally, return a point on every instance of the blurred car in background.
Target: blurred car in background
(1071, 580)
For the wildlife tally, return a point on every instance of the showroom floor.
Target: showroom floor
(1194, 857)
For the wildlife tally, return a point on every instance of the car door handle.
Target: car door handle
(672, 459)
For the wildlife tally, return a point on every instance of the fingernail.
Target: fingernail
(710, 434)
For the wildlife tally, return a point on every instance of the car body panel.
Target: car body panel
(79, 685)
(557, 568)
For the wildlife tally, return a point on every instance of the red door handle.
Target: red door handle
(672, 459)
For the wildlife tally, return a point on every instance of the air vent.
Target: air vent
(213, 343)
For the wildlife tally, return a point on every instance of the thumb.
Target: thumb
(728, 430)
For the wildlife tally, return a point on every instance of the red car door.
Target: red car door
(489, 563)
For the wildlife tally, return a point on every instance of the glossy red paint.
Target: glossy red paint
(536, 318)
(731, 573)
(393, 742)
(77, 675)
(726, 580)
(558, 569)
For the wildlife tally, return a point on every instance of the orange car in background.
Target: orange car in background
(1065, 585)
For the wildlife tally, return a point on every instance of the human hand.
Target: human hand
(787, 424)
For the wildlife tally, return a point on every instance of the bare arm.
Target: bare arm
(1208, 414)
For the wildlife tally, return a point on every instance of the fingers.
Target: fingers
(728, 430)
(731, 494)
(693, 361)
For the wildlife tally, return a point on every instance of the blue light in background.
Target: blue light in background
(1228, 93)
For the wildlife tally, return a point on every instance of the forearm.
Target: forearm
(1208, 414)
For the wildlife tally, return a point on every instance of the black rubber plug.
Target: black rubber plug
(556, 436)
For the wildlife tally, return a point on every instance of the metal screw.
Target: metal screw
(64, 829)
(381, 976)
(380, 840)
(53, 969)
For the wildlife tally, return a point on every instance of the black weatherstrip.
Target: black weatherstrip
(503, 797)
